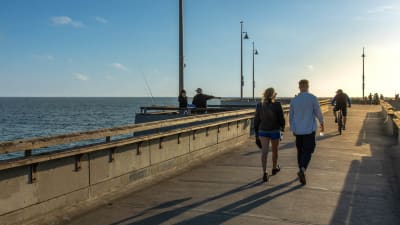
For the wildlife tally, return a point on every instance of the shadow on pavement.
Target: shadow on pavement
(368, 195)
(242, 206)
(235, 208)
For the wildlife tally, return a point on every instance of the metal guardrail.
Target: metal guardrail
(213, 108)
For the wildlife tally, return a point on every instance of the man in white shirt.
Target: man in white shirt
(304, 109)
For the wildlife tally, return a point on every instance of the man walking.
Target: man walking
(304, 109)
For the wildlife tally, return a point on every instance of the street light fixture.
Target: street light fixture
(241, 57)
(255, 52)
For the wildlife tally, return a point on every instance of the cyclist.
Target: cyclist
(340, 101)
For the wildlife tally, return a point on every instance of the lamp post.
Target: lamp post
(241, 57)
(363, 76)
(255, 52)
(181, 62)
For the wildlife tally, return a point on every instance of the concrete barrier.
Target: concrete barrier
(391, 120)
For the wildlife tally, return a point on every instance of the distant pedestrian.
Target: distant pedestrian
(183, 103)
(304, 109)
(376, 99)
(269, 122)
(370, 98)
(200, 100)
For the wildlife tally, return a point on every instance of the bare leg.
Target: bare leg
(275, 145)
(264, 152)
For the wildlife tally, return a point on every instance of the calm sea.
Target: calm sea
(36, 117)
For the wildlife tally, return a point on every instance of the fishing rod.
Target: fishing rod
(148, 88)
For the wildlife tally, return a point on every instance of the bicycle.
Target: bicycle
(339, 114)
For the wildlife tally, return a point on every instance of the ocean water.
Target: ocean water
(22, 118)
(38, 117)
(29, 117)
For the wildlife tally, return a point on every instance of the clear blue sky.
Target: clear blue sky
(109, 48)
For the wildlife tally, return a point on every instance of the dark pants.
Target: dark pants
(305, 147)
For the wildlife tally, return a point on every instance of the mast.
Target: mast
(253, 72)
(181, 63)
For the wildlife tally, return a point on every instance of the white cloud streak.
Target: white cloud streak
(119, 66)
(101, 19)
(48, 57)
(374, 14)
(82, 77)
(382, 9)
(65, 21)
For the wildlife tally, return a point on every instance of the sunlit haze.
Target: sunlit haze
(112, 48)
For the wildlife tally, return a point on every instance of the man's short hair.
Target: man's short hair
(303, 83)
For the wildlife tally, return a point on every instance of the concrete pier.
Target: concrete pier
(353, 179)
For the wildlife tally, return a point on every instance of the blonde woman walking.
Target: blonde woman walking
(269, 121)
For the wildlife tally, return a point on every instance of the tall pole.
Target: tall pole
(241, 59)
(363, 76)
(253, 72)
(181, 63)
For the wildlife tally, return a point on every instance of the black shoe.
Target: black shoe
(265, 177)
(276, 170)
(302, 177)
(335, 120)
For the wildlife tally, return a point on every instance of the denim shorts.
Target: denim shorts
(273, 135)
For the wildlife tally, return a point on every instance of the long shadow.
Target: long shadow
(242, 206)
(160, 218)
(369, 195)
(160, 206)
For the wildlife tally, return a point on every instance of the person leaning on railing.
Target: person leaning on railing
(200, 100)
(183, 103)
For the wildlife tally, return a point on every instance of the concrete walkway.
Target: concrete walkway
(351, 180)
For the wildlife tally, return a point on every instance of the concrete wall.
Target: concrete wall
(59, 183)
(391, 120)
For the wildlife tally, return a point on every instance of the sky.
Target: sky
(129, 48)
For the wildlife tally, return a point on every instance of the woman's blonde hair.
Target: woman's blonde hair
(269, 95)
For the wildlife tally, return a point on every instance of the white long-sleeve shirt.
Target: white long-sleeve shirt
(304, 110)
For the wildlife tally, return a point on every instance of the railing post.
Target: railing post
(78, 165)
(32, 176)
(160, 143)
(138, 151)
(111, 156)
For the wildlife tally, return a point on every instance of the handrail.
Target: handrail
(109, 145)
(40, 142)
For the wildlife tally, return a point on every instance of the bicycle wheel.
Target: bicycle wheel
(340, 123)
